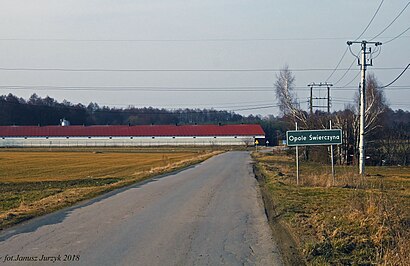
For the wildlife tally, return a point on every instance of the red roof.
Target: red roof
(153, 130)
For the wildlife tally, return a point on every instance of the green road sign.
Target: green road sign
(314, 137)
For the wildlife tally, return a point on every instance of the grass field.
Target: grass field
(356, 221)
(38, 181)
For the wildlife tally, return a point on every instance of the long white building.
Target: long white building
(108, 136)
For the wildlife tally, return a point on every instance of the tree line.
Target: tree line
(48, 111)
(387, 131)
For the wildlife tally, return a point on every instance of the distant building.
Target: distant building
(64, 122)
(153, 135)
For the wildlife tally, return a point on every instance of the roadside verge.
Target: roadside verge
(281, 234)
(352, 221)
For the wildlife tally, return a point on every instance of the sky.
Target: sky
(222, 54)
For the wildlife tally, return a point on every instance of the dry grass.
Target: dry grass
(57, 166)
(356, 221)
(35, 182)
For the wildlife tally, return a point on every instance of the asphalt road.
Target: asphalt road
(210, 214)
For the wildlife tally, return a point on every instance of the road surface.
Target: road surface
(209, 214)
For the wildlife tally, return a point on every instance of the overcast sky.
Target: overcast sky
(257, 36)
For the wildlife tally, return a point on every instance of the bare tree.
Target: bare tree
(288, 104)
(376, 104)
(346, 120)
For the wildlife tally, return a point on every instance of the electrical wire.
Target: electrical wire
(355, 55)
(168, 89)
(169, 40)
(334, 70)
(400, 104)
(391, 23)
(378, 51)
(343, 101)
(353, 79)
(160, 88)
(254, 108)
(404, 70)
(348, 69)
(196, 104)
(206, 105)
(398, 36)
(168, 111)
(337, 82)
(365, 29)
(353, 101)
(172, 40)
(182, 70)
(371, 20)
(379, 48)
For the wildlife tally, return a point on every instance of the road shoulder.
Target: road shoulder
(286, 244)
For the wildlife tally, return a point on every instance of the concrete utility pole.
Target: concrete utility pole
(363, 64)
(311, 85)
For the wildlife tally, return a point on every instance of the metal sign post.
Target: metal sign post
(297, 158)
(332, 158)
(313, 137)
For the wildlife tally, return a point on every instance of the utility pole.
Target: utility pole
(311, 105)
(363, 62)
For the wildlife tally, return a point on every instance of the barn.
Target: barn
(149, 135)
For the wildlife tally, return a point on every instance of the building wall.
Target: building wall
(126, 141)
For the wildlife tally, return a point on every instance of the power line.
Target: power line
(404, 70)
(181, 69)
(347, 70)
(353, 101)
(371, 20)
(255, 108)
(403, 87)
(398, 36)
(173, 40)
(334, 70)
(344, 54)
(168, 88)
(391, 23)
(141, 88)
(236, 108)
(171, 111)
(342, 98)
(206, 105)
(167, 111)
(343, 101)
(239, 105)
(353, 79)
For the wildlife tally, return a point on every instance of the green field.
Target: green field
(356, 221)
(38, 181)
